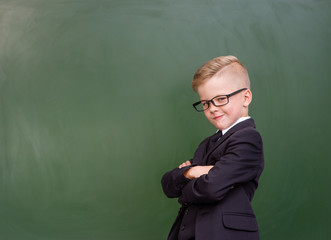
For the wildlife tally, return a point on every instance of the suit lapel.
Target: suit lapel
(247, 123)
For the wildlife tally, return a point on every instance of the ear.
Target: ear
(247, 97)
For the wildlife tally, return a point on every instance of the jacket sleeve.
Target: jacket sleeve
(173, 182)
(240, 163)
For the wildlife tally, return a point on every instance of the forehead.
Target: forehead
(218, 85)
(229, 79)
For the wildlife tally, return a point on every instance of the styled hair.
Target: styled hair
(212, 67)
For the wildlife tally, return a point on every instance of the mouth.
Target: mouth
(218, 117)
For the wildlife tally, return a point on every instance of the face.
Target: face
(224, 116)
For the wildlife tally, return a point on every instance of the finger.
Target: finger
(184, 164)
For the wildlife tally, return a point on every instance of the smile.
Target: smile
(218, 117)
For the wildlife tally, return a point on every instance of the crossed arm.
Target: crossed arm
(196, 171)
(241, 163)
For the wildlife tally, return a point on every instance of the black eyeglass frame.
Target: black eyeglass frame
(216, 105)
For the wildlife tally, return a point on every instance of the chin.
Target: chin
(219, 127)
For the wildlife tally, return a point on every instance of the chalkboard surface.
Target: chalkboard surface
(95, 105)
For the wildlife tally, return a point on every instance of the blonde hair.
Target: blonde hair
(212, 67)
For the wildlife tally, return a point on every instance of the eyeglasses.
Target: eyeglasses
(217, 101)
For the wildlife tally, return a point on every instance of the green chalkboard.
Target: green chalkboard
(95, 105)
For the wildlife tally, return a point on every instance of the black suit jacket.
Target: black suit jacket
(221, 198)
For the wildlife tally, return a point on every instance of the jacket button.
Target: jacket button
(182, 227)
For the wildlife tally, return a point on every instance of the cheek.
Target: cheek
(208, 116)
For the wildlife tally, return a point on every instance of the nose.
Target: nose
(212, 107)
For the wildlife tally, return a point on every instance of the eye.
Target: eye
(204, 104)
(220, 99)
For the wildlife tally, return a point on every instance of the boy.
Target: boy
(215, 188)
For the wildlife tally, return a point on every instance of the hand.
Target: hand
(185, 164)
(197, 171)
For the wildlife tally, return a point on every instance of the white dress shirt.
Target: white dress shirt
(238, 121)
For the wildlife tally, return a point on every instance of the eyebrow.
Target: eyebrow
(215, 96)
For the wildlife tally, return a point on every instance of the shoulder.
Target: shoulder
(245, 132)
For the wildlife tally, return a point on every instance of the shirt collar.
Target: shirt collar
(238, 121)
